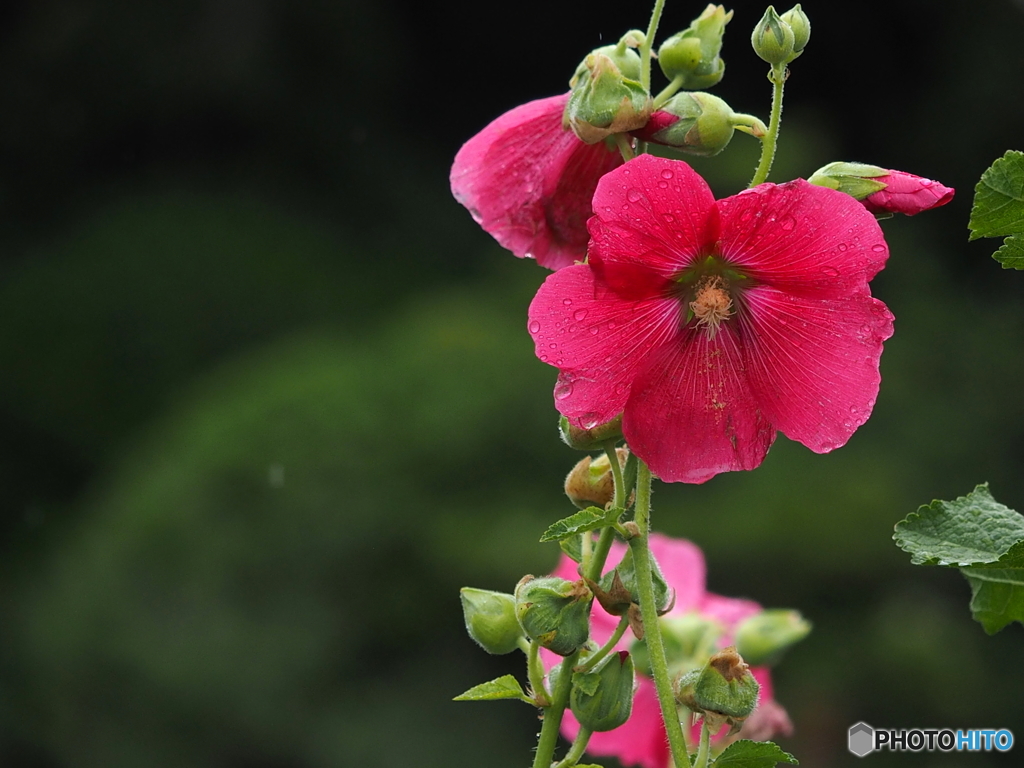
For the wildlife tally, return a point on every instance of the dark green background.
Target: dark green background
(267, 399)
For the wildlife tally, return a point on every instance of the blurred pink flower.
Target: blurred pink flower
(642, 741)
(711, 324)
(907, 193)
(528, 182)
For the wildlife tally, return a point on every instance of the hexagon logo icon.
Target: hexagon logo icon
(861, 739)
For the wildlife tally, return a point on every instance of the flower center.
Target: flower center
(712, 303)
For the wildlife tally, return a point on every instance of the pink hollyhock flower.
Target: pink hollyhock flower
(711, 324)
(641, 740)
(528, 182)
(907, 193)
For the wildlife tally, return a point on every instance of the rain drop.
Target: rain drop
(843, 246)
(878, 248)
(662, 185)
(579, 314)
(567, 302)
(787, 223)
(634, 195)
(830, 271)
(552, 345)
(589, 420)
(534, 327)
(668, 217)
(563, 389)
(667, 174)
(593, 331)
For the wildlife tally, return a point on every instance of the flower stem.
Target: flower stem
(594, 658)
(553, 715)
(649, 613)
(778, 77)
(625, 145)
(535, 673)
(576, 751)
(645, 49)
(704, 750)
(668, 91)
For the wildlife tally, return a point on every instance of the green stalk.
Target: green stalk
(649, 613)
(778, 78)
(553, 715)
(604, 650)
(576, 751)
(704, 750)
(645, 49)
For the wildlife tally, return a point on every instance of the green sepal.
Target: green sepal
(625, 571)
(602, 699)
(504, 687)
(753, 754)
(589, 519)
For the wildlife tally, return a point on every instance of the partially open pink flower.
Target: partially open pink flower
(711, 324)
(641, 741)
(529, 182)
(907, 193)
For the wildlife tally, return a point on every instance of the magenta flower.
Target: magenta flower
(907, 193)
(642, 741)
(711, 324)
(528, 182)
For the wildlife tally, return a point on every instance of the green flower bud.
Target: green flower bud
(607, 97)
(589, 439)
(617, 589)
(602, 699)
(554, 612)
(762, 639)
(724, 691)
(773, 39)
(801, 26)
(855, 179)
(693, 54)
(491, 620)
(591, 483)
(696, 123)
(690, 639)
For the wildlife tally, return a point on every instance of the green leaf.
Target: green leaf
(753, 754)
(588, 519)
(573, 547)
(973, 530)
(1011, 253)
(505, 687)
(997, 590)
(998, 208)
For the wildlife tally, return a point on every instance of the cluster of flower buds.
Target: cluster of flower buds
(691, 57)
(780, 39)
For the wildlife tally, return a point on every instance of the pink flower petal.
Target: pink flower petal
(812, 363)
(529, 182)
(691, 413)
(682, 565)
(908, 194)
(803, 239)
(651, 213)
(596, 339)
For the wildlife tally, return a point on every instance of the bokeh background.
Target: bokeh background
(267, 399)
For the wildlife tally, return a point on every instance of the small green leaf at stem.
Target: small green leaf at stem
(753, 754)
(505, 687)
(589, 519)
(573, 547)
(998, 208)
(972, 530)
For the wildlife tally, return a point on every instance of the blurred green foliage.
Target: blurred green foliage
(268, 400)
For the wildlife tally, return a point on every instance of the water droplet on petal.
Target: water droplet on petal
(543, 358)
(788, 223)
(662, 185)
(667, 174)
(668, 217)
(593, 331)
(534, 326)
(552, 345)
(878, 248)
(563, 389)
(579, 314)
(567, 302)
(843, 246)
(830, 271)
(634, 195)
(589, 420)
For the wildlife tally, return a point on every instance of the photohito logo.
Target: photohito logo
(862, 739)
